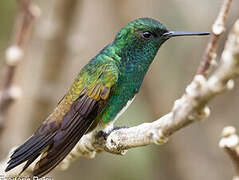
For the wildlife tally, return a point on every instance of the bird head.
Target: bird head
(141, 39)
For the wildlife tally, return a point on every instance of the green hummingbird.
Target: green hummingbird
(100, 92)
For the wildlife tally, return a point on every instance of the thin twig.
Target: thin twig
(14, 54)
(230, 143)
(217, 30)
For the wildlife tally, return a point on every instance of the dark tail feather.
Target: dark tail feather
(25, 146)
(32, 147)
(58, 153)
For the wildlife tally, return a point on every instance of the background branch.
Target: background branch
(230, 144)
(218, 28)
(14, 54)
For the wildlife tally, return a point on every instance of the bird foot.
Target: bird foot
(103, 134)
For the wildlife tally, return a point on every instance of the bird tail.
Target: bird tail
(29, 151)
(54, 148)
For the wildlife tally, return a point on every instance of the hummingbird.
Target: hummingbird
(99, 94)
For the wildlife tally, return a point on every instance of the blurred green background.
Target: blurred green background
(69, 33)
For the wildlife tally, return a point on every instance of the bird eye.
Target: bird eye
(146, 34)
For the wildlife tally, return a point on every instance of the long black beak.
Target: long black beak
(177, 33)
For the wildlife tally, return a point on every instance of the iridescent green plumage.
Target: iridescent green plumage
(100, 91)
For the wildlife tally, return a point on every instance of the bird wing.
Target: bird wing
(57, 136)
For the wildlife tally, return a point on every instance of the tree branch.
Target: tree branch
(230, 144)
(218, 28)
(14, 54)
